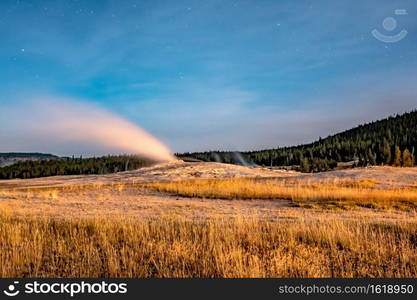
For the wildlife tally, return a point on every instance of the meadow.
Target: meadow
(284, 226)
(337, 193)
(175, 247)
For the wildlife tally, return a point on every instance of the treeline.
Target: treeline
(73, 166)
(391, 141)
(27, 155)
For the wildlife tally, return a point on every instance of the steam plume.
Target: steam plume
(238, 158)
(59, 124)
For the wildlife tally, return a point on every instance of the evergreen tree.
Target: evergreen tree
(385, 152)
(407, 159)
(371, 157)
(397, 157)
(305, 165)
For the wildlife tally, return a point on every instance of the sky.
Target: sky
(211, 75)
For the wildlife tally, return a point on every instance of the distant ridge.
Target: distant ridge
(27, 154)
(390, 141)
(11, 158)
(51, 165)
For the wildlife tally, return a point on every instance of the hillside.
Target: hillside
(391, 141)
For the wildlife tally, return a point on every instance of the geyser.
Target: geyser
(34, 125)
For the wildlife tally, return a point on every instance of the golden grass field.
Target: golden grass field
(337, 194)
(212, 248)
(163, 222)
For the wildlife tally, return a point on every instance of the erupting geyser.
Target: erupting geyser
(63, 121)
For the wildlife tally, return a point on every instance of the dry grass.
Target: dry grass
(74, 230)
(173, 247)
(336, 194)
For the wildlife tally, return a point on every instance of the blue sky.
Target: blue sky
(205, 75)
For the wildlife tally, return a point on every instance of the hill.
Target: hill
(390, 141)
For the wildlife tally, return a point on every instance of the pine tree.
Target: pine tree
(304, 165)
(397, 157)
(371, 157)
(407, 159)
(386, 153)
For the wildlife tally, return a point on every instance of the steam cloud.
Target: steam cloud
(51, 125)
